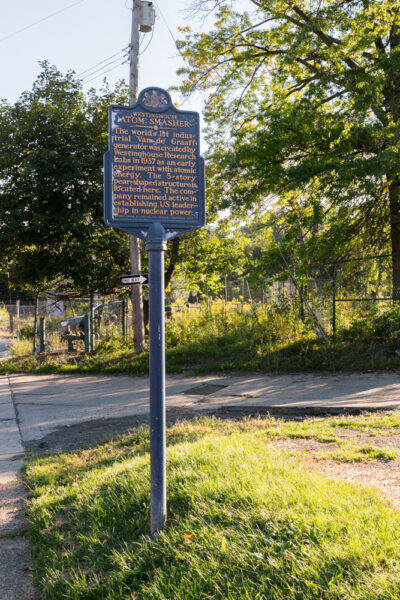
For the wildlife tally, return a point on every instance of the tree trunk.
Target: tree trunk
(172, 262)
(394, 203)
(167, 278)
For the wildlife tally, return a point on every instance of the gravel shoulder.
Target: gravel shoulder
(16, 577)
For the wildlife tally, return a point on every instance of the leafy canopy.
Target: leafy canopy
(52, 142)
(303, 115)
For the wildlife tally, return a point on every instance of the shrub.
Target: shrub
(371, 324)
(253, 324)
(21, 346)
(26, 332)
(4, 316)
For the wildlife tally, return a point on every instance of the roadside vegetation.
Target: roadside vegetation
(235, 337)
(246, 520)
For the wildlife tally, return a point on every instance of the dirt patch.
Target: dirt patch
(382, 441)
(384, 476)
(87, 433)
(91, 432)
(16, 571)
(302, 445)
(16, 581)
(12, 503)
(84, 434)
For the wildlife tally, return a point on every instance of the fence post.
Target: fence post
(42, 334)
(302, 303)
(17, 315)
(249, 292)
(123, 316)
(35, 325)
(91, 326)
(334, 301)
(87, 333)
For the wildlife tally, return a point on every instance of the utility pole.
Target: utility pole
(134, 242)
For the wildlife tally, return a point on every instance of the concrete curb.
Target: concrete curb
(10, 435)
(15, 555)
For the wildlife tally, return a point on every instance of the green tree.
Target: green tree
(52, 142)
(209, 255)
(304, 111)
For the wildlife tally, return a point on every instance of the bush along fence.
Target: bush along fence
(333, 294)
(328, 299)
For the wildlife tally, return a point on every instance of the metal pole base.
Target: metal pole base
(156, 246)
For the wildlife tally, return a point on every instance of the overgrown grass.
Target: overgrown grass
(223, 338)
(244, 523)
(21, 346)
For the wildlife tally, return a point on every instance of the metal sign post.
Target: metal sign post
(154, 189)
(156, 246)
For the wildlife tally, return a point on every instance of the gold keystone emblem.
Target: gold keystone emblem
(155, 99)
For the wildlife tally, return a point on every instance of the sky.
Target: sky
(83, 34)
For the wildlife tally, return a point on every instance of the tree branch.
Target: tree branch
(327, 39)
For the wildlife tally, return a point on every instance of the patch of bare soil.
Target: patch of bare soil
(82, 435)
(382, 475)
(382, 441)
(12, 505)
(388, 440)
(301, 445)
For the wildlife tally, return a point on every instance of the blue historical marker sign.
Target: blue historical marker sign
(154, 189)
(153, 171)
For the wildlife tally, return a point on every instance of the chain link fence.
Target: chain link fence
(331, 296)
(74, 324)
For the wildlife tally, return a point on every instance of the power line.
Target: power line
(102, 61)
(149, 42)
(107, 64)
(108, 70)
(89, 75)
(6, 37)
(169, 29)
